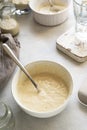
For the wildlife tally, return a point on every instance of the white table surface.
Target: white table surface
(39, 43)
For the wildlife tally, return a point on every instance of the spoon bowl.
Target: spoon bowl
(82, 94)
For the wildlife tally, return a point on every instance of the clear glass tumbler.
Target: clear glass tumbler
(21, 6)
(80, 13)
(7, 121)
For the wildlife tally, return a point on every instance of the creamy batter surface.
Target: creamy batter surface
(47, 8)
(53, 92)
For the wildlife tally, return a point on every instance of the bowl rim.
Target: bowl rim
(46, 112)
(48, 14)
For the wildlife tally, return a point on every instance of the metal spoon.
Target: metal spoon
(51, 3)
(14, 58)
(53, 7)
(82, 93)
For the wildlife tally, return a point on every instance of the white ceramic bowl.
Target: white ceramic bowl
(46, 18)
(44, 66)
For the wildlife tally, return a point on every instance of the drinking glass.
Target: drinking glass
(80, 13)
(7, 121)
(21, 6)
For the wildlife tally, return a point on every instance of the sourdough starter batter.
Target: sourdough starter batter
(53, 93)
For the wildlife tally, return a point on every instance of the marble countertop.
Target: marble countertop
(39, 43)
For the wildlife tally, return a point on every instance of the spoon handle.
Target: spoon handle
(51, 3)
(14, 58)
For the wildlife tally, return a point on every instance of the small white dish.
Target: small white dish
(50, 19)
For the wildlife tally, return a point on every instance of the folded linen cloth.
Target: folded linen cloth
(7, 65)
